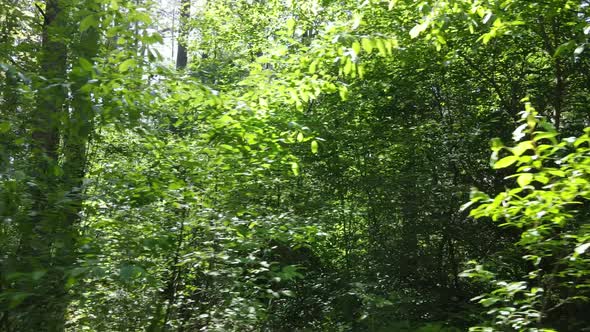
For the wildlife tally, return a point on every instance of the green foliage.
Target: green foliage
(303, 171)
(547, 208)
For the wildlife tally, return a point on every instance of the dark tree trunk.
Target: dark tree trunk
(60, 132)
(42, 284)
(181, 55)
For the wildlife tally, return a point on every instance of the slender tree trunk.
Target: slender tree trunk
(168, 296)
(8, 113)
(559, 92)
(76, 132)
(9, 92)
(181, 54)
(80, 123)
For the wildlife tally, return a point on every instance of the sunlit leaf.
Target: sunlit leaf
(505, 162)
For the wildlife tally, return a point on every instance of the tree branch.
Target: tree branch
(41, 11)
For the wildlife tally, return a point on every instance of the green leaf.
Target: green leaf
(416, 30)
(488, 302)
(356, 47)
(295, 168)
(357, 20)
(505, 162)
(564, 47)
(556, 172)
(347, 66)
(522, 147)
(361, 70)
(4, 127)
(381, 47)
(176, 185)
(88, 22)
(124, 66)
(367, 45)
(497, 144)
(343, 91)
(314, 147)
(545, 135)
(290, 25)
(85, 64)
(524, 179)
(313, 67)
(300, 137)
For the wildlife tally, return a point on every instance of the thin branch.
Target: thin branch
(41, 11)
(488, 78)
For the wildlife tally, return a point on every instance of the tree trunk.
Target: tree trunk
(60, 132)
(43, 303)
(181, 55)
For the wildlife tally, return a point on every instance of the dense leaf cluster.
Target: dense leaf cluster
(304, 165)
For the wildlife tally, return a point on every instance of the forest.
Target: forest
(295, 165)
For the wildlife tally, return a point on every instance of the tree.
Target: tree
(304, 172)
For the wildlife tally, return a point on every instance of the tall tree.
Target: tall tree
(306, 175)
(44, 231)
(60, 129)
